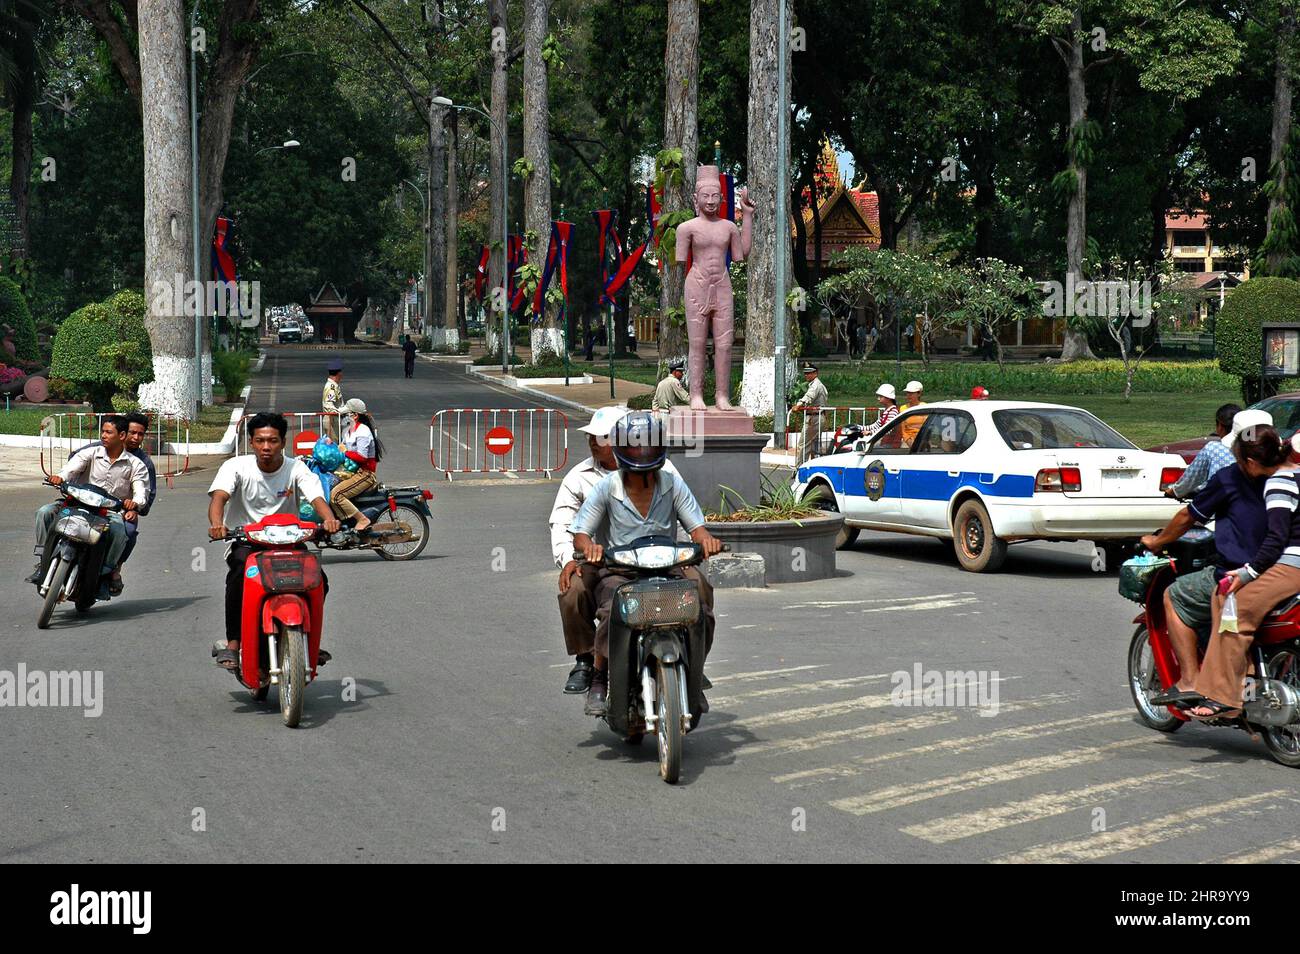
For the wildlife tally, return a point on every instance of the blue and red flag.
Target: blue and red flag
(610, 249)
(518, 257)
(481, 272)
(557, 253)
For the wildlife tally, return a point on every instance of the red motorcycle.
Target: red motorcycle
(284, 603)
(1272, 697)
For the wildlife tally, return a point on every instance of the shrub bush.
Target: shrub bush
(1238, 332)
(640, 402)
(232, 368)
(103, 348)
(15, 313)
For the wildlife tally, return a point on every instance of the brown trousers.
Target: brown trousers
(348, 487)
(578, 615)
(601, 587)
(812, 432)
(1227, 660)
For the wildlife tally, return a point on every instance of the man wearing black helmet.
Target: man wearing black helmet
(639, 499)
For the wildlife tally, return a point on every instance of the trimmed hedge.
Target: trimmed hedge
(15, 313)
(104, 348)
(1238, 331)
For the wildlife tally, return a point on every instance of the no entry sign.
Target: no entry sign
(304, 442)
(499, 440)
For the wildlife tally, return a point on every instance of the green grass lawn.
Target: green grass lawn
(1150, 419)
(26, 420)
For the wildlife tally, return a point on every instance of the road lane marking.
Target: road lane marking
(939, 831)
(896, 796)
(1260, 855)
(1143, 835)
(799, 687)
(932, 604)
(760, 674)
(835, 736)
(831, 604)
(857, 766)
(828, 709)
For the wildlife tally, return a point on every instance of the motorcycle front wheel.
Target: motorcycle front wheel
(1144, 681)
(293, 673)
(60, 577)
(1283, 741)
(668, 702)
(407, 549)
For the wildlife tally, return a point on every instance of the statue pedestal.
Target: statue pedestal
(713, 449)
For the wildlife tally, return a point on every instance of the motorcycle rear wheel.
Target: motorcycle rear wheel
(668, 702)
(1143, 679)
(407, 549)
(60, 577)
(293, 673)
(1283, 742)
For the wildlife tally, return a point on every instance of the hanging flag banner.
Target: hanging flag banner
(556, 260)
(481, 272)
(605, 219)
(518, 258)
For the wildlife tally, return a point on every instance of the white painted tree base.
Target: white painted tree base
(172, 390)
(446, 337)
(551, 339)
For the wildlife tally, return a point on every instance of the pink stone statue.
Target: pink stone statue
(706, 239)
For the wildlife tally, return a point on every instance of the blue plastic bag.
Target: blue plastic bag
(327, 454)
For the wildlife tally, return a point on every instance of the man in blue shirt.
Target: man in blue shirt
(1213, 457)
(640, 499)
(1234, 500)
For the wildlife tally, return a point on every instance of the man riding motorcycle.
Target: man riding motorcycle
(137, 429)
(259, 484)
(110, 466)
(577, 607)
(637, 500)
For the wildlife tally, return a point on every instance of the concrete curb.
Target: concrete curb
(532, 392)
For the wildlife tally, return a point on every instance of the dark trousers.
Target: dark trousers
(410, 367)
(235, 588)
(132, 531)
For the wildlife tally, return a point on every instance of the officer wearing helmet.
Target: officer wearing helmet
(639, 499)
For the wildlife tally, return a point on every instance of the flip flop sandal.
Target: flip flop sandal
(1218, 710)
(322, 657)
(1175, 697)
(227, 659)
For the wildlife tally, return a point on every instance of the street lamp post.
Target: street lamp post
(428, 228)
(287, 144)
(505, 224)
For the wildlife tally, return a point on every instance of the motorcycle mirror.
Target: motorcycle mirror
(859, 447)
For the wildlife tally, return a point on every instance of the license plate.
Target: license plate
(1119, 474)
(1118, 480)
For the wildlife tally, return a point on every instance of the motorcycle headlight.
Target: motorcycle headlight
(91, 498)
(661, 603)
(653, 557)
(278, 534)
(76, 527)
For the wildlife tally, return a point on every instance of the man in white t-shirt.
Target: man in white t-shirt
(256, 486)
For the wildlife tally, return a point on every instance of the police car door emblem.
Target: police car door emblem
(875, 479)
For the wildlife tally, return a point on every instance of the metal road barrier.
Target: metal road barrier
(305, 427)
(167, 442)
(487, 440)
(833, 418)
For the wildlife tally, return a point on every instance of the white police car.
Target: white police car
(988, 473)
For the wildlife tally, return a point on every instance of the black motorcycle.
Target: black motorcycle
(656, 647)
(400, 523)
(75, 549)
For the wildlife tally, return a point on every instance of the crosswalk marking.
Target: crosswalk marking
(798, 687)
(940, 831)
(961, 744)
(830, 604)
(1143, 835)
(760, 674)
(895, 796)
(835, 736)
(923, 605)
(1253, 856)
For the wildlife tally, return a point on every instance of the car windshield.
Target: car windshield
(1044, 428)
(1285, 412)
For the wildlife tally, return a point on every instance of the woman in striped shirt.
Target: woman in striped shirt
(1268, 579)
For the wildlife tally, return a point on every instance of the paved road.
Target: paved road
(458, 718)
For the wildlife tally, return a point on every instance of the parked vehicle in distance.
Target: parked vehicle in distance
(289, 331)
(1285, 409)
(988, 473)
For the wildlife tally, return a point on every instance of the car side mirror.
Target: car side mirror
(859, 447)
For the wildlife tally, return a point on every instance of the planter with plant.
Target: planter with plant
(796, 538)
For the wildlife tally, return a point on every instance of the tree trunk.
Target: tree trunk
(1075, 345)
(435, 268)
(537, 150)
(681, 87)
(1281, 127)
(498, 176)
(757, 389)
(168, 247)
(450, 333)
(23, 98)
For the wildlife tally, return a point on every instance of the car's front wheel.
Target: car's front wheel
(978, 549)
(825, 502)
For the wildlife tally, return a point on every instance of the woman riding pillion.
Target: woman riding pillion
(362, 447)
(640, 499)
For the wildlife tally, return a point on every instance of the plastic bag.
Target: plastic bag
(327, 454)
(349, 466)
(1228, 618)
(307, 512)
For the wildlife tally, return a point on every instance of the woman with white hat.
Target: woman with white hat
(888, 407)
(362, 447)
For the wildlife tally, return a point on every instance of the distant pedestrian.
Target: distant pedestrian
(669, 391)
(331, 401)
(408, 356)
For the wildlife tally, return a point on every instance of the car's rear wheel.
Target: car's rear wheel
(978, 549)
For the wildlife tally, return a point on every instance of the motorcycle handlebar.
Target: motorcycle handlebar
(580, 557)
